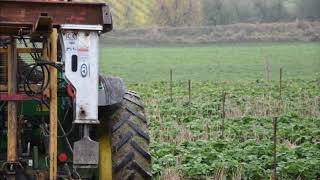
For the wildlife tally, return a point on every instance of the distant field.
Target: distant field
(211, 62)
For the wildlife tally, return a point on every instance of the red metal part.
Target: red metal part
(20, 16)
(15, 97)
(70, 91)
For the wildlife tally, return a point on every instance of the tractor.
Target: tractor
(59, 118)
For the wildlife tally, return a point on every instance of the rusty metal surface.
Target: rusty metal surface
(55, 2)
(21, 16)
(3, 69)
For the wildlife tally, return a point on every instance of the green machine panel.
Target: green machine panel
(33, 108)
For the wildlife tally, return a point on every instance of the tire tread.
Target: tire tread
(130, 140)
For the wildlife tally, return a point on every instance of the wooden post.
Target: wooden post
(280, 92)
(53, 107)
(280, 87)
(12, 105)
(274, 122)
(189, 90)
(171, 85)
(267, 70)
(223, 114)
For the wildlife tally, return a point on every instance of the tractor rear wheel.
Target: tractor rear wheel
(130, 140)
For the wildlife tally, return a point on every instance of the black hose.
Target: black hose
(65, 134)
(2, 105)
(34, 69)
(34, 56)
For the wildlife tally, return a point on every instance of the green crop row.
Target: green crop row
(191, 141)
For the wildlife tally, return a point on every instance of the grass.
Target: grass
(243, 61)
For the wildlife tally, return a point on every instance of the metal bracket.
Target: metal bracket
(19, 17)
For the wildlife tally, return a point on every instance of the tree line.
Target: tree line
(137, 13)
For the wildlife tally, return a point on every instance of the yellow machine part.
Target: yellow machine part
(105, 161)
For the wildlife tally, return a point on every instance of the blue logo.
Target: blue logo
(84, 70)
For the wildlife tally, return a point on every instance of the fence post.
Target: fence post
(267, 70)
(280, 92)
(223, 114)
(189, 90)
(171, 85)
(275, 124)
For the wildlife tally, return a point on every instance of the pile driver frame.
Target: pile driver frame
(41, 21)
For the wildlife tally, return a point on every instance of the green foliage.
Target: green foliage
(246, 149)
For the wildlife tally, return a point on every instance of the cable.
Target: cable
(76, 172)
(34, 56)
(65, 134)
(2, 105)
(32, 72)
(35, 73)
(28, 81)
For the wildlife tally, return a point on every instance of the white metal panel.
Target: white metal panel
(84, 45)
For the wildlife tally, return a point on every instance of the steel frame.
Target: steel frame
(20, 17)
(41, 20)
(13, 97)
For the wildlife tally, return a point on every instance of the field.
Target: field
(187, 140)
(212, 62)
(190, 137)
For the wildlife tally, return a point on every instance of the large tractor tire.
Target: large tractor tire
(130, 140)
